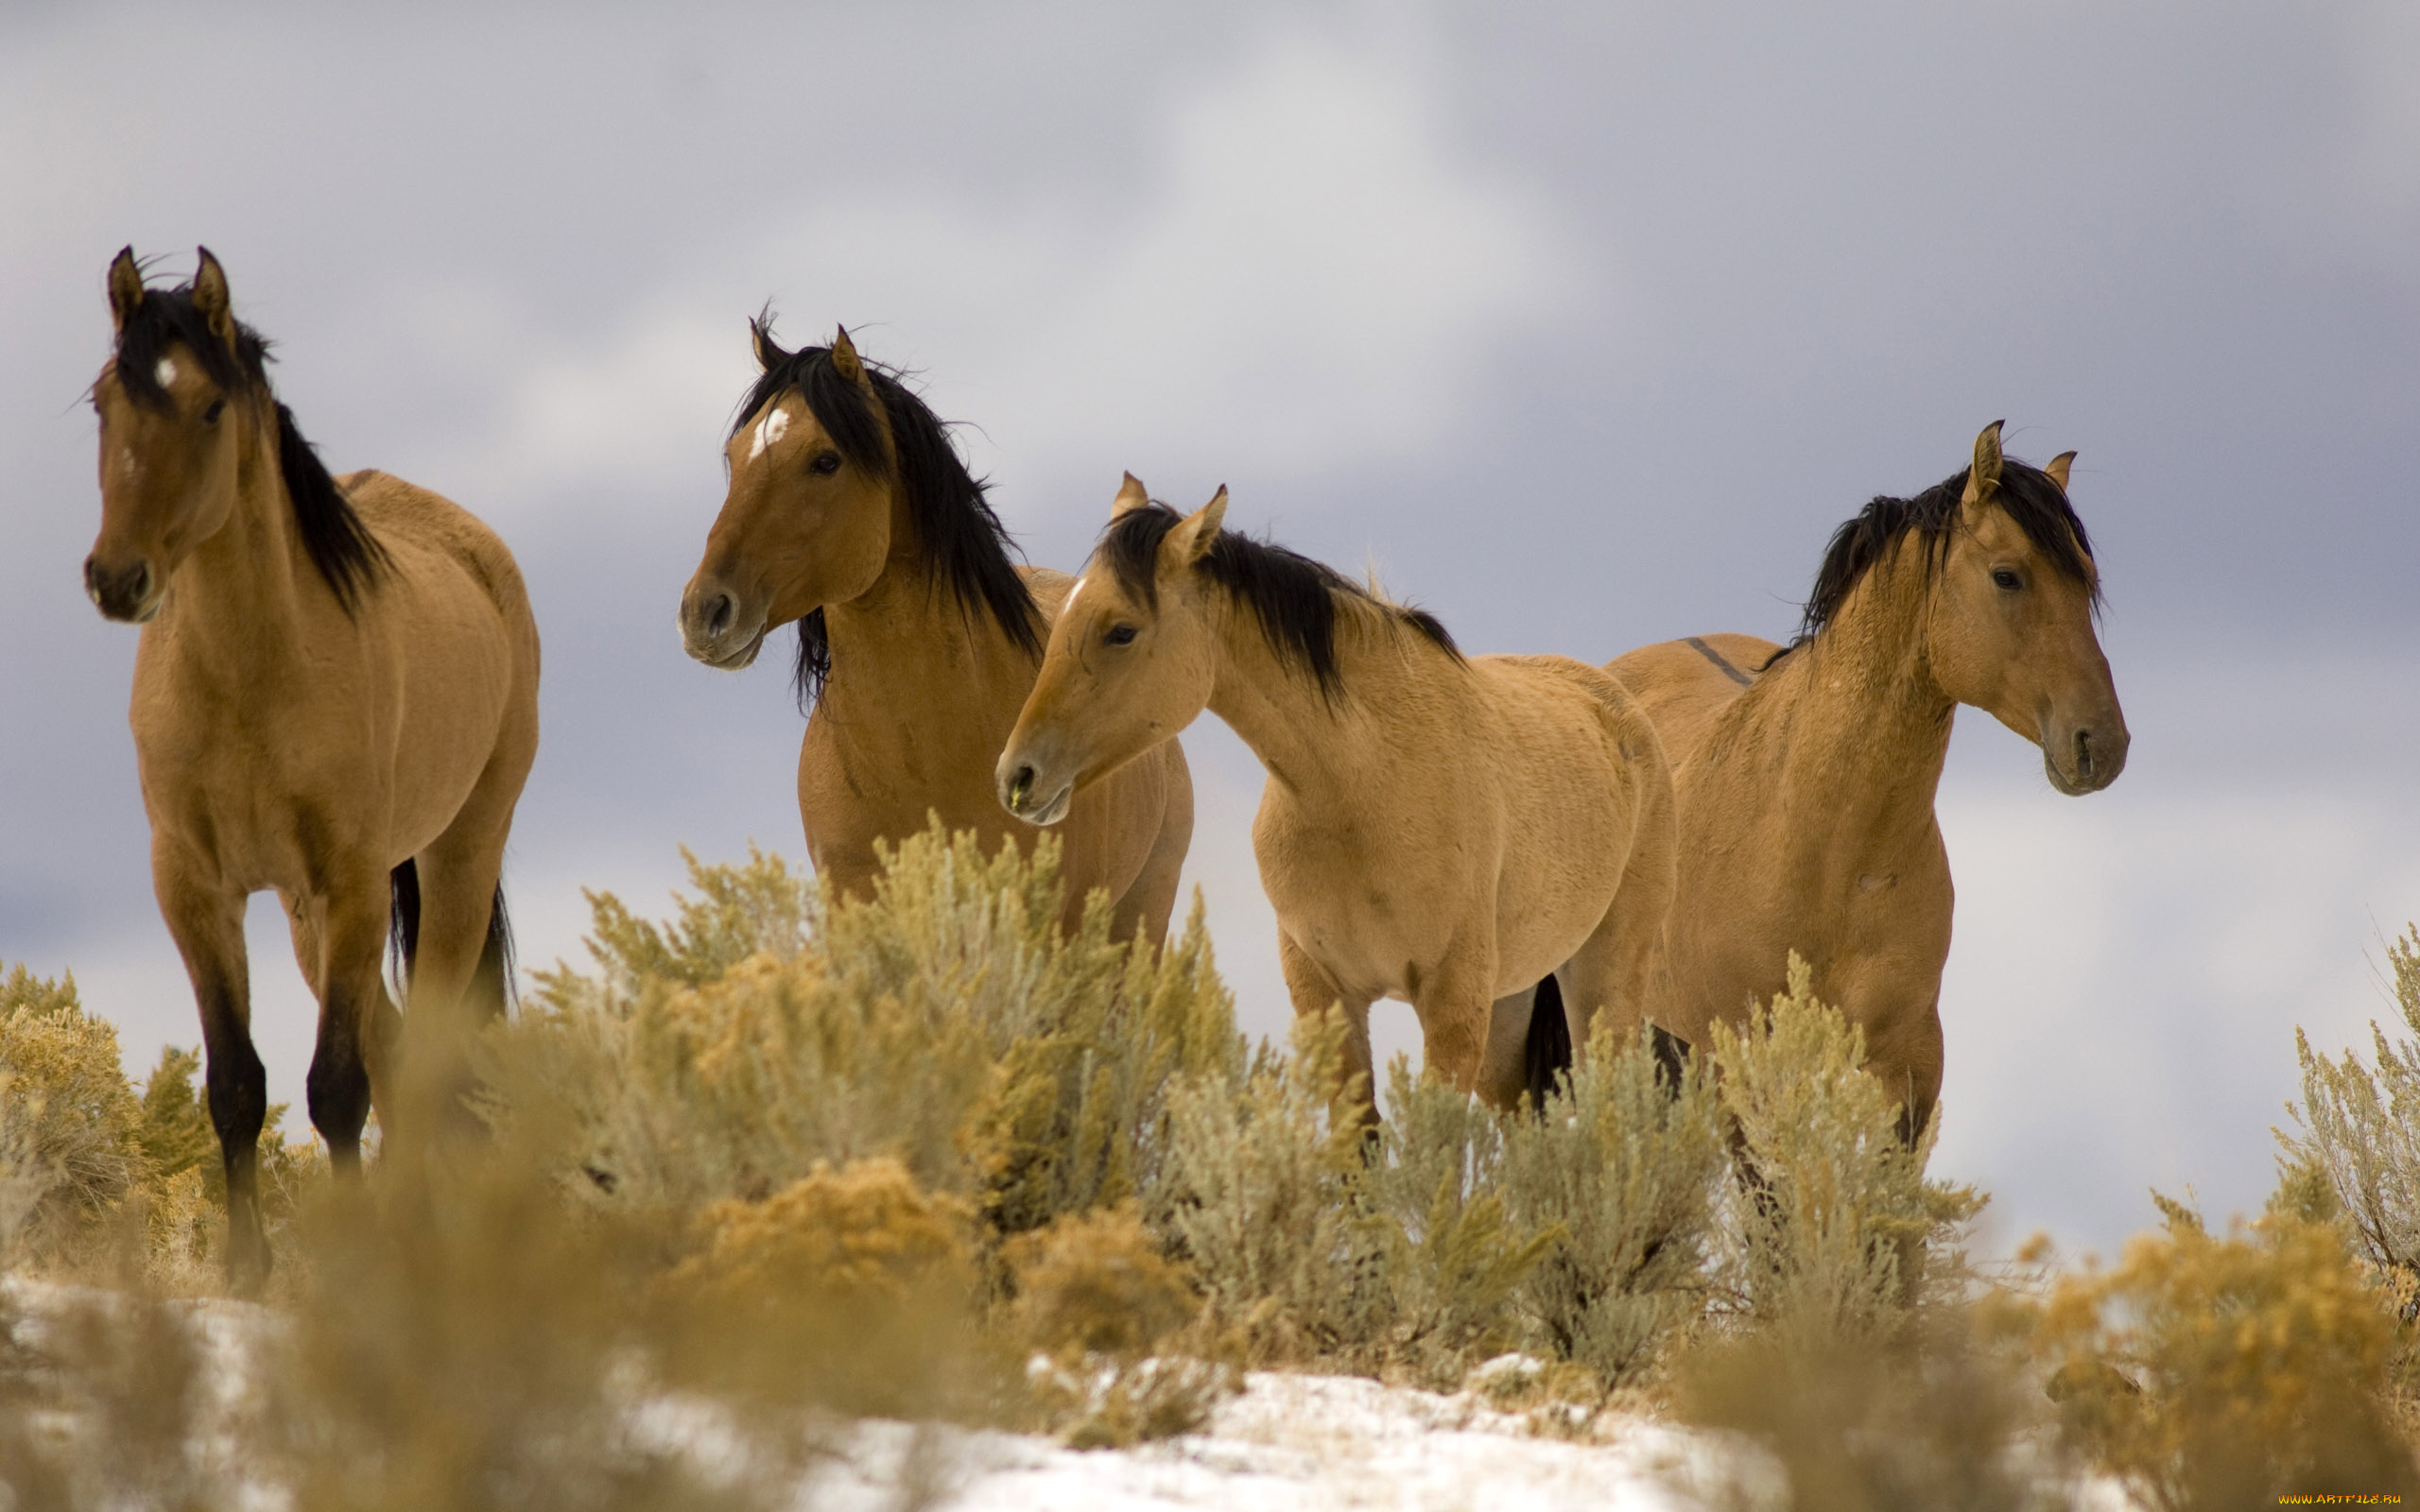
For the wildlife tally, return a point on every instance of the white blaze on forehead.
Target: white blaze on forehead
(165, 373)
(1073, 591)
(769, 430)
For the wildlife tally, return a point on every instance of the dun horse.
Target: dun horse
(851, 513)
(335, 695)
(1806, 776)
(1434, 827)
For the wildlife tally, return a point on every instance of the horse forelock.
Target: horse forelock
(962, 543)
(2025, 494)
(348, 557)
(166, 318)
(1295, 599)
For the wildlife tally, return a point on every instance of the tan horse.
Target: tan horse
(1805, 777)
(851, 513)
(335, 695)
(1434, 829)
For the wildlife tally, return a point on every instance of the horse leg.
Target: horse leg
(1454, 1007)
(1504, 1065)
(1150, 902)
(459, 978)
(207, 924)
(1315, 991)
(351, 929)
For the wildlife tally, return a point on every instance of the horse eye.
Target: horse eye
(825, 464)
(1119, 635)
(209, 416)
(2004, 578)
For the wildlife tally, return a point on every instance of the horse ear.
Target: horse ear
(769, 355)
(844, 357)
(1132, 496)
(2057, 466)
(1195, 533)
(1985, 474)
(126, 289)
(209, 297)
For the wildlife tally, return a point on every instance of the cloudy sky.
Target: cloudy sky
(1585, 324)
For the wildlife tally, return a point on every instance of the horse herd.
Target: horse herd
(336, 696)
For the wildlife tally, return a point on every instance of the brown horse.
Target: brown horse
(851, 513)
(1806, 776)
(335, 695)
(1434, 827)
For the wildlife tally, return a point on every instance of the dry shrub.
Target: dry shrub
(2362, 1128)
(1267, 1203)
(109, 1401)
(68, 1152)
(1835, 1228)
(2212, 1372)
(944, 1022)
(1094, 1298)
(481, 1345)
(1621, 1169)
(859, 1269)
(1933, 1419)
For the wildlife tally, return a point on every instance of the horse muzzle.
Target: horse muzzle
(711, 629)
(128, 593)
(2086, 758)
(1028, 795)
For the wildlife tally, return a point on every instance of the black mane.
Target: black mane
(2029, 496)
(350, 560)
(965, 548)
(1293, 597)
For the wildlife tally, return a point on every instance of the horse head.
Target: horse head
(2009, 624)
(1130, 660)
(181, 381)
(812, 507)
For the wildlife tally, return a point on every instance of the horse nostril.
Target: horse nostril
(1020, 786)
(719, 616)
(2083, 754)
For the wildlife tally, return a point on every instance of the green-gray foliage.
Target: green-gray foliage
(1622, 1169)
(945, 1021)
(1834, 1220)
(2363, 1126)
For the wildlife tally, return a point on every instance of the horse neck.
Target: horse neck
(1320, 750)
(907, 654)
(236, 595)
(1867, 731)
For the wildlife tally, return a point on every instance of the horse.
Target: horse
(1435, 827)
(850, 513)
(335, 695)
(1806, 774)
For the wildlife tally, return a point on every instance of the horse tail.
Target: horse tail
(1546, 1054)
(491, 980)
(403, 919)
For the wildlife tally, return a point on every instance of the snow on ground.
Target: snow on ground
(1296, 1441)
(1286, 1441)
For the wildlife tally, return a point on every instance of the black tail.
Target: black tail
(490, 982)
(403, 919)
(1545, 1055)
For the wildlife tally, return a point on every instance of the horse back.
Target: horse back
(452, 543)
(1683, 686)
